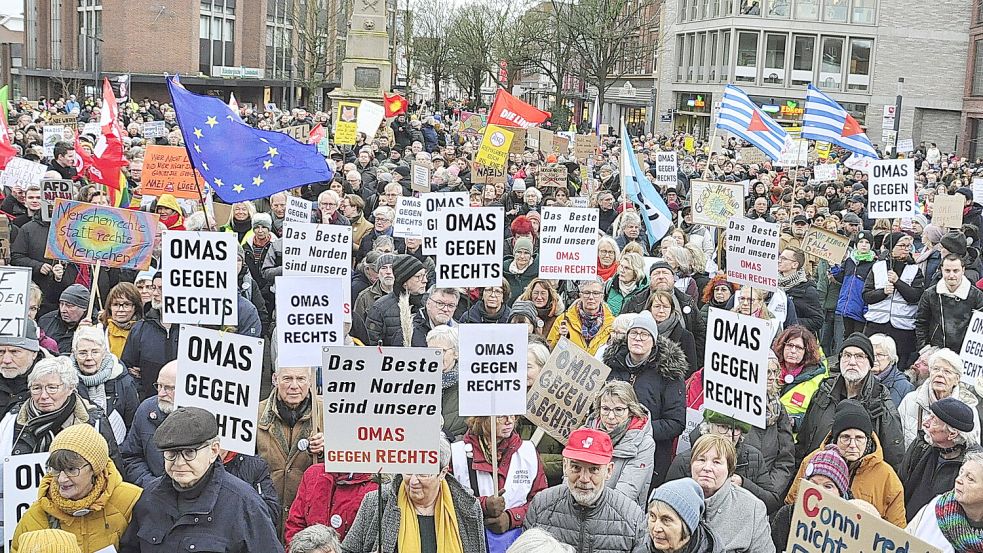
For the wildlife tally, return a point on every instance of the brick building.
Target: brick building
(972, 121)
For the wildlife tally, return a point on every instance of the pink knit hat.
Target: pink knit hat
(832, 465)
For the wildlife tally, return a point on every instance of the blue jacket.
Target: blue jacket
(142, 461)
(851, 276)
(253, 470)
(429, 138)
(895, 382)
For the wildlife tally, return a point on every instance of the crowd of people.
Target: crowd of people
(867, 395)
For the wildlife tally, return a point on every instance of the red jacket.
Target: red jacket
(323, 496)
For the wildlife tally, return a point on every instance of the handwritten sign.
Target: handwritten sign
(552, 176)
(420, 178)
(825, 245)
(87, 233)
(825, 172)
(585, 145)
(22, 173)
(346, 123)
(483, 174)
(752, 155)
(51, 190)
(297, 132)
(15, 285)
(154, 129)
(518, 141)
(167, 170)
(947, 211)
(70, 120)
(715, 203)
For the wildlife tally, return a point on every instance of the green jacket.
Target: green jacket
(829, 289)
(450, 407)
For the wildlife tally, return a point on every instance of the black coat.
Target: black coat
(690, 315)
(253, 470)
(27, 250)
(684, 339)
(942, 320)
(150, 346)
(142, 461)
(808, 309)
(57, 329)
(925, 474)
(384, 323)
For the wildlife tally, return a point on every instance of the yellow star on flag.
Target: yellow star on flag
(272, 151)
(198, 148)
(238, 188)
(198, 132)
(267, 164)
(218, 182)
(211, 122)
(257, 180)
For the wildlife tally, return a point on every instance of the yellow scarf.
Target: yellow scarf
(445, 521)
(117, 336)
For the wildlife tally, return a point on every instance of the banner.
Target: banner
(552, 176)
(310, 314)
(494, 148)
(432, 203)
(381, 409)
(947, 211)
(15, 283)
(492, 369)
(221, 372)
(972, 350)
(346, 123)
(715, 203)
(22, 476)
(752, 253)
(409, 218)
(21, 172)
(87, 233)
(200, 282)
(167, 170)
(298, 210)
(470, 246)
(563, 395)
(317, 249)
(666, 169)
(825, 245)
(51, 190)
(568, 244)
(370, 116)
(825, 172)
(510, 111)
(735, 374)
(891, 189)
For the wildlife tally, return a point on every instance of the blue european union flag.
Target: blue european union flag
(239, 162)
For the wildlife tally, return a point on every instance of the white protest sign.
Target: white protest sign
(381, 409)
(317, 249)
(825, 172)
(15, 284)
(53, 134)
(568, 247)
(420, 178)
(972, 350)
(51, 190)
(298, 210)
(693, 419)
(470, 241)
(795, 154)
(22, 476)
(736, 367)
(22, 172)
(433, 202)
(310, 315)
(92, 128)
(370, 116)
(752, 253)
(905, 145)
(978, 187)
(409, 217)
(891, 189)
(200, 284)
(492, 369)
(579, 201)
(666, 168)
(154, 129)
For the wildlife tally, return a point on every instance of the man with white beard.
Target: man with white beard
(142, 461)
(17, 358)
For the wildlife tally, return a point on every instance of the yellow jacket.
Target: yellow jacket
(575, 329)
(104, 526)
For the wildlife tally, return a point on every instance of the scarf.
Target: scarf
(788, 281)
(117, 333)
(44, 426)
(605, 273)
(773, 409)
(590, 323)
(94, 383)
(444, 517)
(83, 506)
(667, 326)
(291, 416)
(962, 292)
(627, 289)
(862, 257)
(616, 433)
(956, 527)
(449, 378)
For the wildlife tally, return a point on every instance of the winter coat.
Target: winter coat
(328, 498)
(896, 382)
(366, 299)
(477, 314)
(827, 287)
(272, 265)
(685, 340)
(27, 250)
(942, 318)
(122, 397)
(58, 330)
(615, 524)
(228, 516)
(422, 325)
(13, 391)
(616, 299)
(254, 257)
(740, 519)
(851, 277)
(429, 138)
(389, 316)
(518, 281)
(808, 309)
(102, 527)
(575, 329)
(658, 383)
(925, 474)
(634, 455)
(905, 297)
(150, 346)
(915, 408)
(689, 315)
(16, 439)
(550, 451)
(797, 395)
(875, 398)
(251, 292)
(362, 536)
(454, 425)
(142, 461)
(872, 480)
(925, 526)
(777, 446)
(253, 470)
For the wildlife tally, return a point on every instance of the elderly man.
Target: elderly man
(197, 505)
(289, 432)
(663, 277)
(60, 325)
(802, 292)
(142, 461)
(438, 310)
(17, 358)
(583, 512)
(383, 285)
(327, 212)
(945, 309)
(278, 211)
(382, 217)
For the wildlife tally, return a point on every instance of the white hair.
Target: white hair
(443, 334)
(385, 211)
(538, 353)
(92, 334)
(354, 175)
(887, 344)
(331, 194)
(314, 538)
(60, 366)
(948, 357)
(537, 540)
(623, 321)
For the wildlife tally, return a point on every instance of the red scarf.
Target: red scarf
(608, 272)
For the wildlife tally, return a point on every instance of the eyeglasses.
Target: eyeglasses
(124, 305)
(592, 294)
(187, 454)
(50, 389)
(327, 204)
(494, 292)
(88, 354)
(795, 347)
(847, 440)
(852, 357)
(164, 388)
(616, 411)
(444, 305)
(639, 335)
(71, 473)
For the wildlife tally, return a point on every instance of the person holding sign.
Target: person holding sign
(82, 493)
(892, 301)
(953, 521)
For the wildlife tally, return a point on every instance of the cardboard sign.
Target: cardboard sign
(666, 168)
(483, 174)
(70, 120)
(561, 145)
(821, 517)
(552, 176)
(22, 476)
(433, 202)
(472, 124)
(409, 218)
(298, 210)
(715, 203)
(735, 374)
(546, 139)
(972, 350)
(87, 233)
(825, 245)
(420, 178)
(825, 172)
(905, 145)
(381, 409)
(947, 211)
(310, 314)
(200, 284)
(370, 116)
(221, 372)
(167, 170)
(753, 155)
(494, 148)
(752, 253)
(51, 190)
(316, 249)
(297, 132)
(469, 246)
(346, 123)
(585, 145)
(563, 395)
(15, 285)
(53, 134)
(493, 369)
(518, 141)
(154, 129)
(823, 149)
(21, 172)
(568, 245)
(891, 189)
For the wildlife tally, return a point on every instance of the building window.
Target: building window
(835, 11)
(714, 57)
(779, 9)
(807, 10)
(279, 38)
(831, 66)
(864, 12)
(701, 56)
(690, 51)
(31, 32)
(725, 58)
(747, 58)
(774, 72)
(803, 59)
(858, 76)
(750, 7)
(978, 68)
(216, 35)
(90, 34)
(714, 8)
(55, 33)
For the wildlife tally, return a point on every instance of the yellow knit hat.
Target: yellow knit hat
(48, 541)
(87, 442)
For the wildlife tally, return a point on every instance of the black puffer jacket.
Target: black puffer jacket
(808, 308)
(942, 319)
(659, 385)
(689, 311)
(150, 346)
(386, 320)
(777, 445)
(27, 250)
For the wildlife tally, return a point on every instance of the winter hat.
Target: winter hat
(972, 234)
(522, 244)
(920, 219)
(534, 215)
(29, 341)
(829, 463)
(713, 417)
(933, 233)
(403, 171)
(850, 413)
(851, 218)
(384, 259)
(404, 267)
(862, 342)
(144, 275)
(646, 322)
(263, 220)
(954, 413)
(864, 235)
(519, 185)
(521, 225)
(49, 540)
(85, 440)
(891, 239)
(524, 308)
(76, 295)
(965, 191)
(660, 265)
(685, 497)
(954, 242)
(185, 426)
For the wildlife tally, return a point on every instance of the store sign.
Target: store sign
(791, 107)
(697, 102)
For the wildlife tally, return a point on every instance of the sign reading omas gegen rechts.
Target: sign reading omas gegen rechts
(200, 284)
(891, 189)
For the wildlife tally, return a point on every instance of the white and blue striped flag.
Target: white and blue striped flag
(826, 120)
(655, 214)
(739, 116)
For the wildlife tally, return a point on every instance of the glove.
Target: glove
(494, 506)
(499, 524)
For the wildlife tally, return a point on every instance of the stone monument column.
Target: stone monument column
(366, 71)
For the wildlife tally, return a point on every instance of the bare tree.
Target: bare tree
(431, 48)
(555, 47)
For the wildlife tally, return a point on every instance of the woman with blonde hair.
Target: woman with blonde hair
(630, 281)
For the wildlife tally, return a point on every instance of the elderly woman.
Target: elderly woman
(732, 512)
(953, 521)
(618, 412)
(587, 321)
(445, 338)
(675, 520)
(520, 268)
(752, 302)
(382, 217)
(666, 313)
(547, 300)
(531, 199)
(885, 368)
(802, 371)
(240, 221)
(124, 307)
(83, 493)
(717, 293)
(315, 539)
(328, 209)
(628, 228)
(944, 371)
(550, 450)
(107, 383)
(418, 507)
(630, 282)
(607, 258)
(829, 471)
(492, 307)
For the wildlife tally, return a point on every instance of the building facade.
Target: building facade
(972, 122)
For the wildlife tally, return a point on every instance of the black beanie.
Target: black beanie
(862, 342)
(851, 414)
(891, 239)
(404, 267)
(954, 242)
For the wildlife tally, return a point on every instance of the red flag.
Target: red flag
(317, 134)
(107, 158)
(395, 104)
(756, 124)
(7, 150)
(509, 111)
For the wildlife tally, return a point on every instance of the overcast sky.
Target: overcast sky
(11, 7)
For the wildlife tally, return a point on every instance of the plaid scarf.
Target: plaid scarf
(956, 527)
(590, 323)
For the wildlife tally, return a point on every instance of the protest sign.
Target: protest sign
(53, 134)
(316, 249)
(483, 174)
(752, 155)
(546, 139)
(947, 211)
(88, 233)
(494, 148)
(905, 145)
(714, 203)
(978, 187)
(825, 245)
(154, 129)
(469, 246)
(585, 145)
(823, 149)
(560, 399)
(310, 313)
(736, 373)
(200, 284)
(825, 172)
(821, 517)
(694, 417)
(666, 168)
(579, 201)
(409, 218)
(472, 124)
(568, 247)
(21, 172)
(381, 409)
(532, 138)
(795, 154)
(605, 130)
(15, 285)
(221, 372)
(891, 189)
(51, 190)
(346, 123)
(432, 203)
(370, 116)
(561, 145)
(752, 253)
(972, 350)
(22, 476)
(518, 141)
(552, 176)
(420, 178)
(297, 132)
(92, 128)
(70, 120)
(492, 369)
(167, 170)
(298, 210)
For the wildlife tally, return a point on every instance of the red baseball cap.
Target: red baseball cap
(590, 446)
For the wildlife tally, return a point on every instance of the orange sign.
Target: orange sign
(167, 170)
